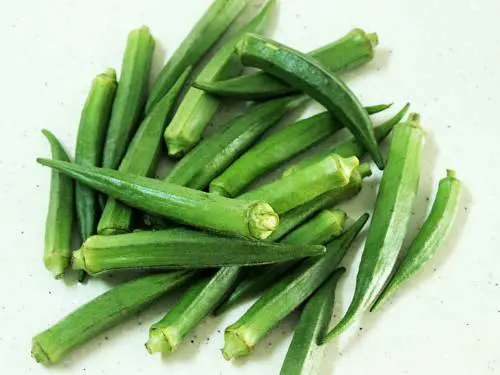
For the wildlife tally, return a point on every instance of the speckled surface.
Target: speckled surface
(443, 56)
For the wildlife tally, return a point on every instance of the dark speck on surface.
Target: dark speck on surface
(50, 292)
(106, 338)
(192, 341)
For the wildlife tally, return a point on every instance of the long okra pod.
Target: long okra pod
(249, 219)
(212, 24)
(391, 216)
(130, 96)
(306, 74)
(286, 295)
(180, 248)
(59, 222)
(198, 107)
(102, 313)
(431, 236)
(141, 158)
(349, 52)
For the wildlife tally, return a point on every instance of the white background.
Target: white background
(443, 56)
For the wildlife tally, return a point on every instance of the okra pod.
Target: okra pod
(248, 219)
(180, 248)
(59, 222)
(289, 192)
(130, 97)
(141, 158)
(430, 238)
(102, 313)
(286, 295)
(391, 216)
(198, 107)
(212, 24)
(350, 51)
(306, 74)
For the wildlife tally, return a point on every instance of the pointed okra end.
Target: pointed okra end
(108, 76)
(234, 345)
(373, 38)
(365, 170)
(414, 119)
(262, 220)
(451, 174)
(160, 341)
(345, 167)
(56, 264)
(78, 260)
(39, 354)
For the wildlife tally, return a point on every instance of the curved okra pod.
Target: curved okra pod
(349, 52)
(102, 313)
(130, 96)
(59, 222)
(198, 107)
(286, 295)
(141, 158)
(430, 238)
(180, 248)
(391, 216)
(212, 24)
(193, 207)
(306, 74)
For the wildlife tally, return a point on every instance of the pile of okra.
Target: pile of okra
(203, 228)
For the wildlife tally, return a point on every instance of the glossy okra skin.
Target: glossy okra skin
(180, 248)
(286, 295)
(321, 229)
(102, 313)
(198, 107)
(304, 354)
(391, 216)
(307, 75)
(130, 96)
(59, 222)
(430, 238)
(141, 158)
(289, 192)
(89, 146)
(350, 51)
(212, 24)
(209, 211)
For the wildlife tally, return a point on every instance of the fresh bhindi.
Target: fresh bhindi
(253, 219)
(391, 216)
(141, 158)
(212, 24)
(198, 107)
(103, 313)
(286, 295)
(59, 222)
(352, 50)
(430, 238)
(306, 74)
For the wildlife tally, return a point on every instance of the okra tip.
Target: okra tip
(108, 74)
(262, 220)
(78, 260)
(450, 173)
(414, 119)
(373, 38)
(56, 264)
(158, 342)
(39, 354)
(234, 345)
(365, 170)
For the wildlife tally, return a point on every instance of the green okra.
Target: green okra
(198, 107)
(289, 192)
(321, 229)
(430, 238)
(59, 222)
(377, 108)
(350, 51)
(212, 24)
(89, 146)
(141, 158)
(180, 248)
(304, 353)
(306, 74)
(248, 219)
(130, 97)
(102, 313)
(391, 216)
(286, 295)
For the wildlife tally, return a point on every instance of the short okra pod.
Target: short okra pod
(193, 207)
(130, 97)
(198, 107)
(430, 238)
(141, 158)
(349, 52)
(306, 74)
(391, 216)
(59, 222)
(212, 24)
(102, 313)
(286, 295)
